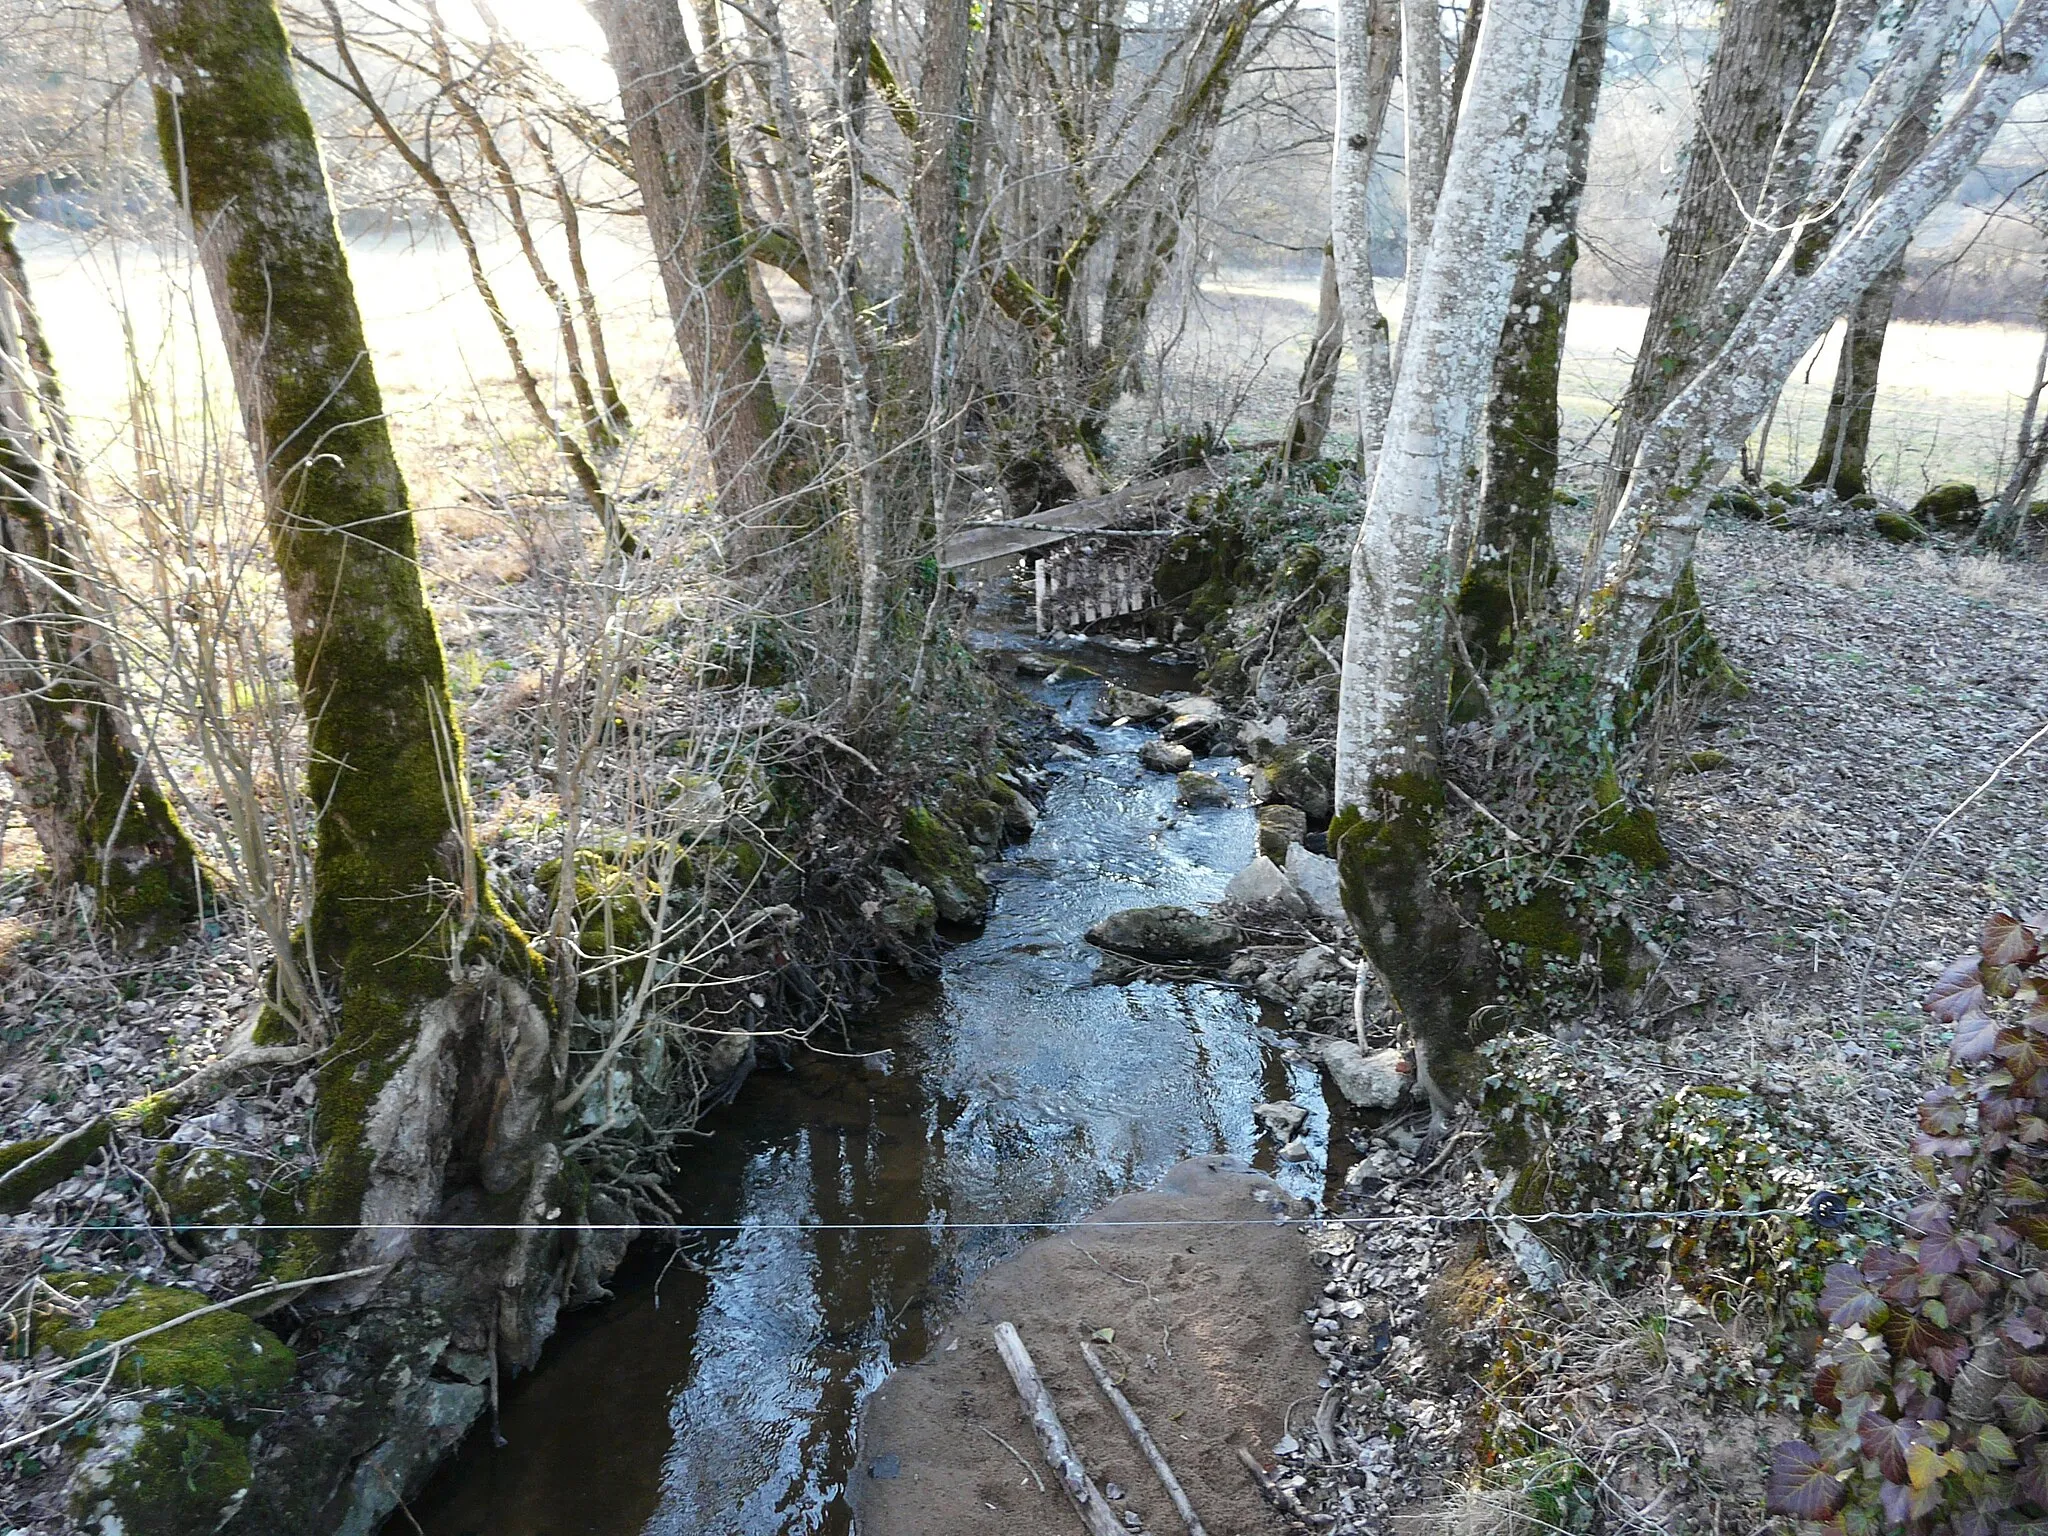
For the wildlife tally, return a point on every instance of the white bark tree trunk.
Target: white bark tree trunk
(1391, 698)
(1368, 53)
(1692, 442)
(1422, 157)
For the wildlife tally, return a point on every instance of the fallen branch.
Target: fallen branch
(1052, 1435)
(189, 1090)
(1146, 1443)
(1277, 1496)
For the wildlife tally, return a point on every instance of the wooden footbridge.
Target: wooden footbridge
(1091, 560)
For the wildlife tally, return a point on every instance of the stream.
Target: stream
(717, 1394)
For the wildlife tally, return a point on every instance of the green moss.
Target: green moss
(27, 1168)
(614, 929)
(1898, 527)
(939, 859)
(1679, 652)
(1543, 922)
(221, 1355)
(1618, 828)
(177, 1474)
(1952, 505)
(1438, 967)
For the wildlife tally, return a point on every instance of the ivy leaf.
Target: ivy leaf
(1995, 1444)
(1960, 1299)
(1976, 1038)
(1941, 1350)
(2029, 1373)
(1959, 990)
(1897, 1499)
(1802, 1485)
(2022, 1411)
(2008, 941)
(1887, 1441)
(1945, 1255)
(1846, 1299)
(1925, 1466)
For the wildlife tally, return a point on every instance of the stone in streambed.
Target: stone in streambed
(1166, 934)
(1315, 876)
(1280, 826)
(905, 909)
(1299, 777)
(1195, 722)
(1115, 703)
(1262, 886)
(1165, 757)
(1369, 1079)
(1283, 1117)
(1199, 791)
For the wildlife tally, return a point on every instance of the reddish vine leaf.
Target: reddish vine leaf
(2008, 941)
(2029, 1373)
(2022, 1412)
(1887, 1442)
(1802, 1485)
(1959, 990)
(1846, 1298)
(1976, 1038)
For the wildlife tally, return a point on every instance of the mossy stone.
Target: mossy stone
(939, 858)
(27, 1168)
(1279, 827)
(1200, 791)
(1304, 778)
(1740, 501)
(208, 1190)
(1950, 506)
(223, 1354)
(168, 1474)
(1898, 527)
(1543, 922)
(1705, 760)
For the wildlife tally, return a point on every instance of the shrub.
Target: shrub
(1933, 1384)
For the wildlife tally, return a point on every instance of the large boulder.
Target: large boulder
(1302, 778)
(1950, 507)
(940, 860)
(1114, 704)
(1261, 886)
(1369, 1079)
(1196, 722)
(1166, 934)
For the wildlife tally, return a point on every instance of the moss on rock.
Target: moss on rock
(1627, 831)
(166, 1474)
(221, 1355)
(1950, 506)
(1898, 527)
(27, 1168)
(939, 859)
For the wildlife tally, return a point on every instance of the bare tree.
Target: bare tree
(1514, 562)
(1318, 389)
(1368, 55)
(80, 776)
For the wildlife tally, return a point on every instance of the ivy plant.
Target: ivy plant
(1932, 1386)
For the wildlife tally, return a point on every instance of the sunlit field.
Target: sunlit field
(1949, 396)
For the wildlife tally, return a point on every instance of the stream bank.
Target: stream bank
(718, 1391)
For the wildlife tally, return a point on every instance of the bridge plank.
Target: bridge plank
(1020, 535)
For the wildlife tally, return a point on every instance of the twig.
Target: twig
(1912, 864)
(1483, 811)
(999, 1440)
(1052, 1435)
(1146, 1443)
(189, 1089)
(1277, 1496)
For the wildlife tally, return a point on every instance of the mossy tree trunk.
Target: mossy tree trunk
(433, 1095)
(1761, 59)
(683, 165)
(1840, 458)
(82, 782)
(1394, 691)
(1514, 562)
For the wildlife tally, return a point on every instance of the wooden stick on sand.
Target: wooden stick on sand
(1052, 1435)
(1146, 1443)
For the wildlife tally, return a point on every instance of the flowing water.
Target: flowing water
(717, 1394)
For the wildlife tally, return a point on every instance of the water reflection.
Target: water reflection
(723, 1398)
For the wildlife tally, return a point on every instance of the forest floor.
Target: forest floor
(1638, 1379)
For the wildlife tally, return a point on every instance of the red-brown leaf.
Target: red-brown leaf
(1802, 1484)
